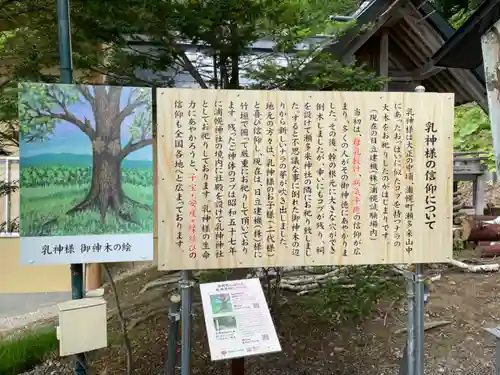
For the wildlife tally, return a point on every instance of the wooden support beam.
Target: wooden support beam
(478, 195)
(93, 272)
(384, 56)
(238, 366)
(360, 40)
(418, 74)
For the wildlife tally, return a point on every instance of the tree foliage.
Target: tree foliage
(473, 131)
(456, 10)
(42, 106)
(116, 38)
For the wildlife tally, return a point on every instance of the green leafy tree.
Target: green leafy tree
(43, 107)
(473, 131)
(102, 33)
(456, 10)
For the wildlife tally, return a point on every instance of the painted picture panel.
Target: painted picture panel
(86, 179)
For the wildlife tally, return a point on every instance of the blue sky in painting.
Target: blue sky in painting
(68, 139)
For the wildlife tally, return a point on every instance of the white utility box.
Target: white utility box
(82, 326)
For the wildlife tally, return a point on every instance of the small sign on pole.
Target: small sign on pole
(237, 319)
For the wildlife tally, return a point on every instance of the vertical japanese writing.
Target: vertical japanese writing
(271, 179)
(296, 196)
(397, 215)
(373, 196)
(219, 179)
(409, 197)
(257, 181)
(430, 174)
(307, 178)
(245, 186)
(192, 218)
(385, 146)
(283, 173)
(332, 178)
(320, 179)
(205, 191)
(179, 170)
(356, 183)
(287, 178)
(231, 173)
(192, 164)
(344, 181)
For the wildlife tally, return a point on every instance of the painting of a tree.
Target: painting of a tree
(86, 159)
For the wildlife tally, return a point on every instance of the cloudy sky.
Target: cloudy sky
(67, 138)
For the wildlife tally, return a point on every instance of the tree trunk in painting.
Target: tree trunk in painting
(106, 188)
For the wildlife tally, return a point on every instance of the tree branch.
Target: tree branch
(84, 90)
(131, 147)
(84, 126)
(129, 109)
(188, 65)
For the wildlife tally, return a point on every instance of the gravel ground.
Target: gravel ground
(314, 347)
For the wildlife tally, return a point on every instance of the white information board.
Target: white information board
(237, 319)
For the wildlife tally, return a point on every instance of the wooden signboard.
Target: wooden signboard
(275, 178)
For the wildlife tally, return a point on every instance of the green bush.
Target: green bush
(473, 131)
(23, 353)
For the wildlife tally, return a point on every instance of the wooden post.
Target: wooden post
(238, 366)
(93, 273)
(384, 56)
(478, 187)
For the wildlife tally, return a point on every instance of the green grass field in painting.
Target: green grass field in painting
(49, 192)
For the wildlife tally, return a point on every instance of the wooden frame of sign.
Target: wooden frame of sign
(290, 178)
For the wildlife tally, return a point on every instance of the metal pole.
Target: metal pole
(66, 76)
(186, 285)
(173, 333)
(497, 356)
(65, 61)
(419, 320)
(77, 293)
(410, 347)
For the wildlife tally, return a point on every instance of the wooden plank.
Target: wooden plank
(470, 152)
(384, 56)
(470, 160)
(478, 198)
(275, 178)
(363, 37)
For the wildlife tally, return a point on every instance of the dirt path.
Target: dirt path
(312, 346)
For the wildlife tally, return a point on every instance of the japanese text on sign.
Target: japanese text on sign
(303, 178)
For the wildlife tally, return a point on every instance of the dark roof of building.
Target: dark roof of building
(416, 32)
(463, 48)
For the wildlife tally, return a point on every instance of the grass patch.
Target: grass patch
(23, 353)
(39, 204)
(356, 297)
